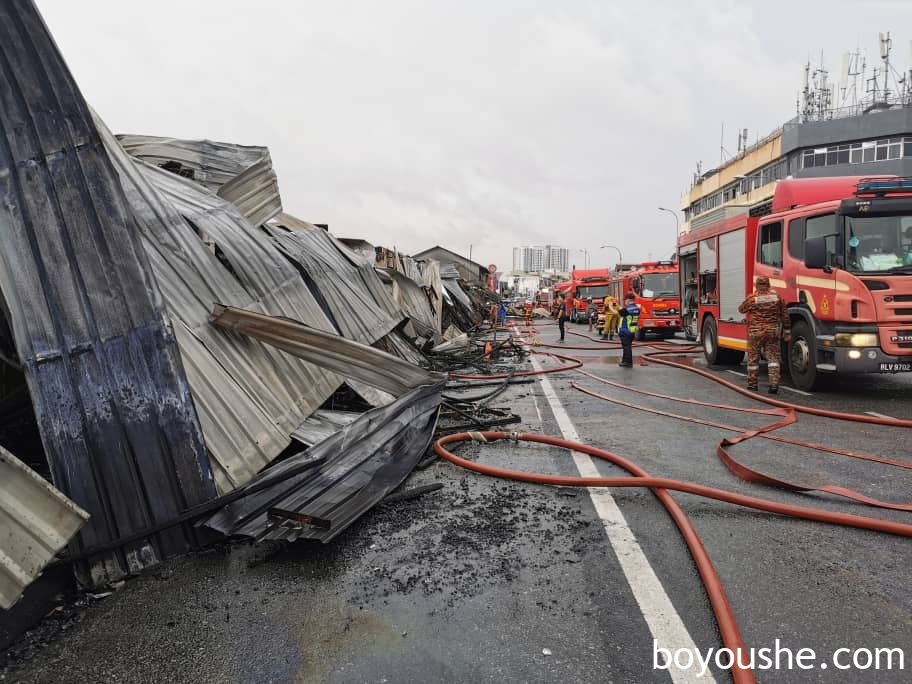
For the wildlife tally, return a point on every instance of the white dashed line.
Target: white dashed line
(663, 620)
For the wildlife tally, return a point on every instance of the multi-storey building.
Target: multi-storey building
(535, 259)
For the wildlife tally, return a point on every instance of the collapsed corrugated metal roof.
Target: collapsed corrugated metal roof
(99, 245)
(240, 174)
(413, 300)
(249, 396)
(319, 493)
(112, 404)
(36, 521)
(349, 291)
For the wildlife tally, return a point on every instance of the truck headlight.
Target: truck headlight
(856, 339)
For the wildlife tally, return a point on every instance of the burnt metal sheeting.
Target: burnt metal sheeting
(358, 361)
(321, 425)
(413, 300)
(249, 396)
(349, 290)
(397, 345)
(111, 400)
(36, 521)
(457, 293)
(239, 174)
(364, 461)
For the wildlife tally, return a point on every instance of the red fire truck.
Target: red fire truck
(588, 283)
(838, 250)
(654, 285)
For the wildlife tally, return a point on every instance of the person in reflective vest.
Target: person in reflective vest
(767, 322)
(629, 316)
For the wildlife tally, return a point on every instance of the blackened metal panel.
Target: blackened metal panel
(111, 399)
(359, 465)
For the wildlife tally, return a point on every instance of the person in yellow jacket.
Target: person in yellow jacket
(612, 317)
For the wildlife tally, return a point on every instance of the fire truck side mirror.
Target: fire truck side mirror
(815, 252)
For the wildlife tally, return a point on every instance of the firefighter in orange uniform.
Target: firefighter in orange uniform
(767, 323)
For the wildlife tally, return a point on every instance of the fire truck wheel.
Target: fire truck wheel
(802, 357)
(710, 341)
(640, 335)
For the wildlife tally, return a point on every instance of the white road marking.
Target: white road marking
(796, 391)
(663, 620)
(879, 415)
(785, 387)
(535, 403)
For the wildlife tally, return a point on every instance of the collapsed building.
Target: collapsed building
(168, 332)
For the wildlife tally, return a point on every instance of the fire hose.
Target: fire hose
(785, 411)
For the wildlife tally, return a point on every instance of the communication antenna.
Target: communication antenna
(885, 45)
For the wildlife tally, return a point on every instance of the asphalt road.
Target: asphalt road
(490, 580)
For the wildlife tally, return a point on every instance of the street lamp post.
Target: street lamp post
(620, 256)
(677, 226)
(586, 253)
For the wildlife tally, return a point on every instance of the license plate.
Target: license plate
(896, 367)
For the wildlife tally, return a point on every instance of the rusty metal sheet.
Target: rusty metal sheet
(111, 399)
(36, 521)
(240, 174)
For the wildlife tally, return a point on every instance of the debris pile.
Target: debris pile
(169, 332)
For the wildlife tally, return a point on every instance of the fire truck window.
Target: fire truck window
(707, 254)
(796, 237)
(771, 244)
(825, 226)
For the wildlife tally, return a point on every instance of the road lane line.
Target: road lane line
(785, 387)
(879, 415)
(664, 622)
(535, 403)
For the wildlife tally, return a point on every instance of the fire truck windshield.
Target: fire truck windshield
(660, 285)
(878, 244)
(594, 291)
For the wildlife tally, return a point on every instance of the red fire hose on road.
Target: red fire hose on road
(728, 627)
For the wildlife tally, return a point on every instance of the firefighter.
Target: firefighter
(629, 316)
(767, 323)
(611, 317)
(561, 315)
(591, 312)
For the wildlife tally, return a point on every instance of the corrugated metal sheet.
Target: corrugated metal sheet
(414, 301)
(448, 271)
(36, 521)
(457, 293)
(110, 396)
(363, 363)
(239, 174)
(364, 461)
(249, 396)
(349, 291)
(321, 425)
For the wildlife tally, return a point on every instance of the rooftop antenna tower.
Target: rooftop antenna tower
(885, 45)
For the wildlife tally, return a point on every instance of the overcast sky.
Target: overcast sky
(488, 123)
